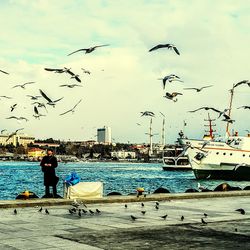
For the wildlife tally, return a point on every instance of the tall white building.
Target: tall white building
(104, 135)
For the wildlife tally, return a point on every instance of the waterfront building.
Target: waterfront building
(36, 152)
(20, 139)
(123, 154)
(104, 135)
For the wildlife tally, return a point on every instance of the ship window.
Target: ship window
(244, 155)
(217, 153)
(231, 153)
(224, 153)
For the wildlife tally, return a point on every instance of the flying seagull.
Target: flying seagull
(244, 107)
(170, 78)
(3, 130)
(241, 210)
(71, 110)
(40, 105)
(242, 82)
(13, 107)
(17, 118)
(22, 85)
(14, 133)
(73, 75)
(88, 50)
(4, 72)
(199, 89)
(86, 71)
(37, 114)
(50, 102)
(147, 113)
(4, 96)
(171, 96)
(34, 97)
(206, 108)
(70, 85)
(168, 46)
(55, 70)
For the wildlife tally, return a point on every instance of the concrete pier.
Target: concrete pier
(113, 227)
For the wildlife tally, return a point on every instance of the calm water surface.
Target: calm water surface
(16, 177)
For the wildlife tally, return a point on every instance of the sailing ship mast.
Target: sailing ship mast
(230, 110)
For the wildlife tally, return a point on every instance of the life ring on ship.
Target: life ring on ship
(26, 195)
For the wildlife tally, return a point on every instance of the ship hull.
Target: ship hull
(241, 174)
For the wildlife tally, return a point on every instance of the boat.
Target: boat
(224, 158)
(174, 158)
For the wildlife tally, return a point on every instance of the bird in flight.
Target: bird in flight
(17, 118)
(244, 107)
(241, 210)
(148, 113)
(168, 46)
(40, 105)
(171, 96)
(70, 85)
(73, 75)
(206, 108)
(34, 97)
(71, 110)
(37, 114)
(22, 85)
(170, 78)
(4, 96)
(88, 50)
(242, 82)
(4, 72)
(13, 107)
(50, 102)
(3, 130)
(14, 133)
(86, 71)
(55, 70)
(199, 89)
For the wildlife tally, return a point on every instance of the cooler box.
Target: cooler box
(84, 190)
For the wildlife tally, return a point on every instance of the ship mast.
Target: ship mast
(210, 125)
(230, 109)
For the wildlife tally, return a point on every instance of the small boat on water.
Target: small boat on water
(174, 158)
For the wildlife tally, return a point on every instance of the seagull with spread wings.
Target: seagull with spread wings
(168, 46)
(3, 130)
(34, 97)
(73, 75)
(4, 72)
(199, 89)
(170, 78)
(17, 118)
(50, 102)
(13, 107)
(55, 70)
(88, 50)
(37, 114)
(40, 105)
(4, 96)
(242, 82)
(206, 108)
(171, 96)
(70, 85)
(14, 133)
(22, 85)
(71, 110)
(148, 113)
(244, 107)
(86, 71)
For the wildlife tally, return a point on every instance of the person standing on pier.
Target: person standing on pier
(48, 164)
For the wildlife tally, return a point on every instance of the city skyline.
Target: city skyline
(211, 36)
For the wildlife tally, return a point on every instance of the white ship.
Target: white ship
(174, 158)
(221, 158)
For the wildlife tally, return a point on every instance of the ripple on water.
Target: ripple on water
(121, 177)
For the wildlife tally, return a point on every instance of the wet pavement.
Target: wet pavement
(113, 227)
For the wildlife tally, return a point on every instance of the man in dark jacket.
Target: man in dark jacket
(48, 164)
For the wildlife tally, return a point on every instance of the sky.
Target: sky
(213, 38)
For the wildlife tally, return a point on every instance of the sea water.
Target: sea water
(125, 178)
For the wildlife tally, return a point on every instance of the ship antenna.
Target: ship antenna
(210, 125)
(230, 109)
